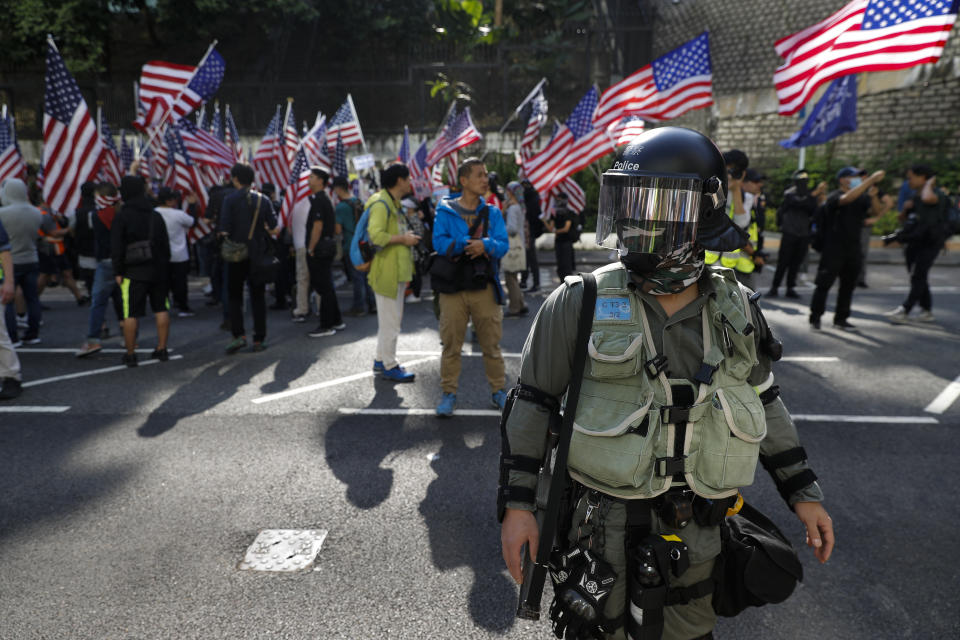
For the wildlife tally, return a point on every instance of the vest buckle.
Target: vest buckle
(655, 365)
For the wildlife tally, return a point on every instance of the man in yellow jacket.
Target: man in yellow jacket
(391, 268)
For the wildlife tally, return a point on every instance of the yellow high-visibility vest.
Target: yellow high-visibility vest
(736, 259)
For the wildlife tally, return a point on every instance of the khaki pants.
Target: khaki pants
(389, 317)
(9, 362)
(456, 309)
(680, 622)
(303, 284)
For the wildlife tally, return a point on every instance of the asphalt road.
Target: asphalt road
(127, 514)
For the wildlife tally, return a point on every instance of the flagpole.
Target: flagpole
(517, 111)
(99, 118)
(200, 114)
(282, 133)
(183, 88)
(353, 108)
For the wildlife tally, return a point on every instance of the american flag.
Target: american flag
(420, 173)
(291, 139)
(185, 176)
(576, 198)
(457, 133)
(11, 160)
(216, 128)
(110, 169)
(315, 144)
(147, 169)
(346, 123)
(72, 150)
(625, 130)
(538, 116)
(340, 159)
(232, 137)
(126, 152)
(203, 118)
(269, 160)
(574, 145)
(178, 89)
(298, 188)
(404, 154)
(865, 35)
(104, 201)
(205, 148)
(671, 85)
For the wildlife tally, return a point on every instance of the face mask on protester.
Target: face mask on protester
(855, 182)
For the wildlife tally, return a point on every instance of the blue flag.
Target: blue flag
(834, 115)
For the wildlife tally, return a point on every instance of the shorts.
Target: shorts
(53, 265)
(136, 293)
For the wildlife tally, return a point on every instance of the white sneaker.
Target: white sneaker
(898, 316)
(412, 298)
(925, 316)
(899, 310)
(207, 289)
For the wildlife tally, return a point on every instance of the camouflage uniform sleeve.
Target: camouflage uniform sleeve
(545, 364)
(790, 471)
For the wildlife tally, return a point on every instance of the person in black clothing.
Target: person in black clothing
(561, 226)
(321, 248)
(286, 276)
(140, 249)
(237, 223)
(210, 247)
(82, 226)
(848, 209)
(793, 219)
(531, 198)
(923, 235)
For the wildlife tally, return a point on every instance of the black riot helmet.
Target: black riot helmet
(665, 192)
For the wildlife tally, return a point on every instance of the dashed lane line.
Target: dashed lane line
(946, 398)
(94, 372)
(329, 383)
(33, 409)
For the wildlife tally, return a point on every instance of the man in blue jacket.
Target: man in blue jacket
(472, 237)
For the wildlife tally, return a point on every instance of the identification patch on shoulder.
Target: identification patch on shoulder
(613, 308)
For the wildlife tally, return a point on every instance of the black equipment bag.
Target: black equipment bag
(757, 564)
(450, 274)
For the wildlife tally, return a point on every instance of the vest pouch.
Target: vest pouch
(614, 436)
(614, 354)
(728, 440)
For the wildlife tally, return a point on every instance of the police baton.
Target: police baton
(553, 479)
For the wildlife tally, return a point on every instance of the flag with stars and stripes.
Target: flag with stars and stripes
(298, 189)
(205, 148)
(232, 136)
(536, 120)
(111, 170)
(269, 161)
(72, 150)
(865, 35)
(458, 132)
(625, 130)
(171, 91)
(340, 158)
(668, 87)
(404, 154)
(291, 139)
(126, 152)
(11, 160)
(216, 128)
(420, 173)
(347, 124)
(574, 145)
(315, 144)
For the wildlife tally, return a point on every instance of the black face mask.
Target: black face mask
(803, 188)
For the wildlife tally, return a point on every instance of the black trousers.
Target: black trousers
(177, 278)
(845, 264)
(532, 266)
(565, 259)
(919, 261)
(793, 249)
(321, 279)
(237, 275)
(286, 275)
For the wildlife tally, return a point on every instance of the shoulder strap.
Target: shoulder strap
(256, 214)
(559, 482)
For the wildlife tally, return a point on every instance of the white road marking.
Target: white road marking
(802, 417)
(94, 372)
(469, 354)
(33, 409)
(936, 289)
(351, 411)
(810, 359)
(329, 383)
(73, 351)
(946, 398)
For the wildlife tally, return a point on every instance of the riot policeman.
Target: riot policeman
(676, 404)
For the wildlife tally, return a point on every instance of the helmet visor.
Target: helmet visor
(648, 214)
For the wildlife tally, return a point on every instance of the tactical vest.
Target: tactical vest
(625, 424)
(736, 259)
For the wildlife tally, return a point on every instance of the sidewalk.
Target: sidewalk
(589, 253)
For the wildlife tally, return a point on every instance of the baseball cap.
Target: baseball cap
(753, 175)
(846, 172)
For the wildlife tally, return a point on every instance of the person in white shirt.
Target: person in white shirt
(178, 222)
(298, 228)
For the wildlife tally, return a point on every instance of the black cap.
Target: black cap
(753, 175)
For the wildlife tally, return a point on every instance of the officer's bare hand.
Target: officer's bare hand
(475, 249)
(519, 528)
(819, 528)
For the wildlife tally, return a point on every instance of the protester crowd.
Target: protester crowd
(134, 247)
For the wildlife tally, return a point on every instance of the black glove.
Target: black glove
(581, 586)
